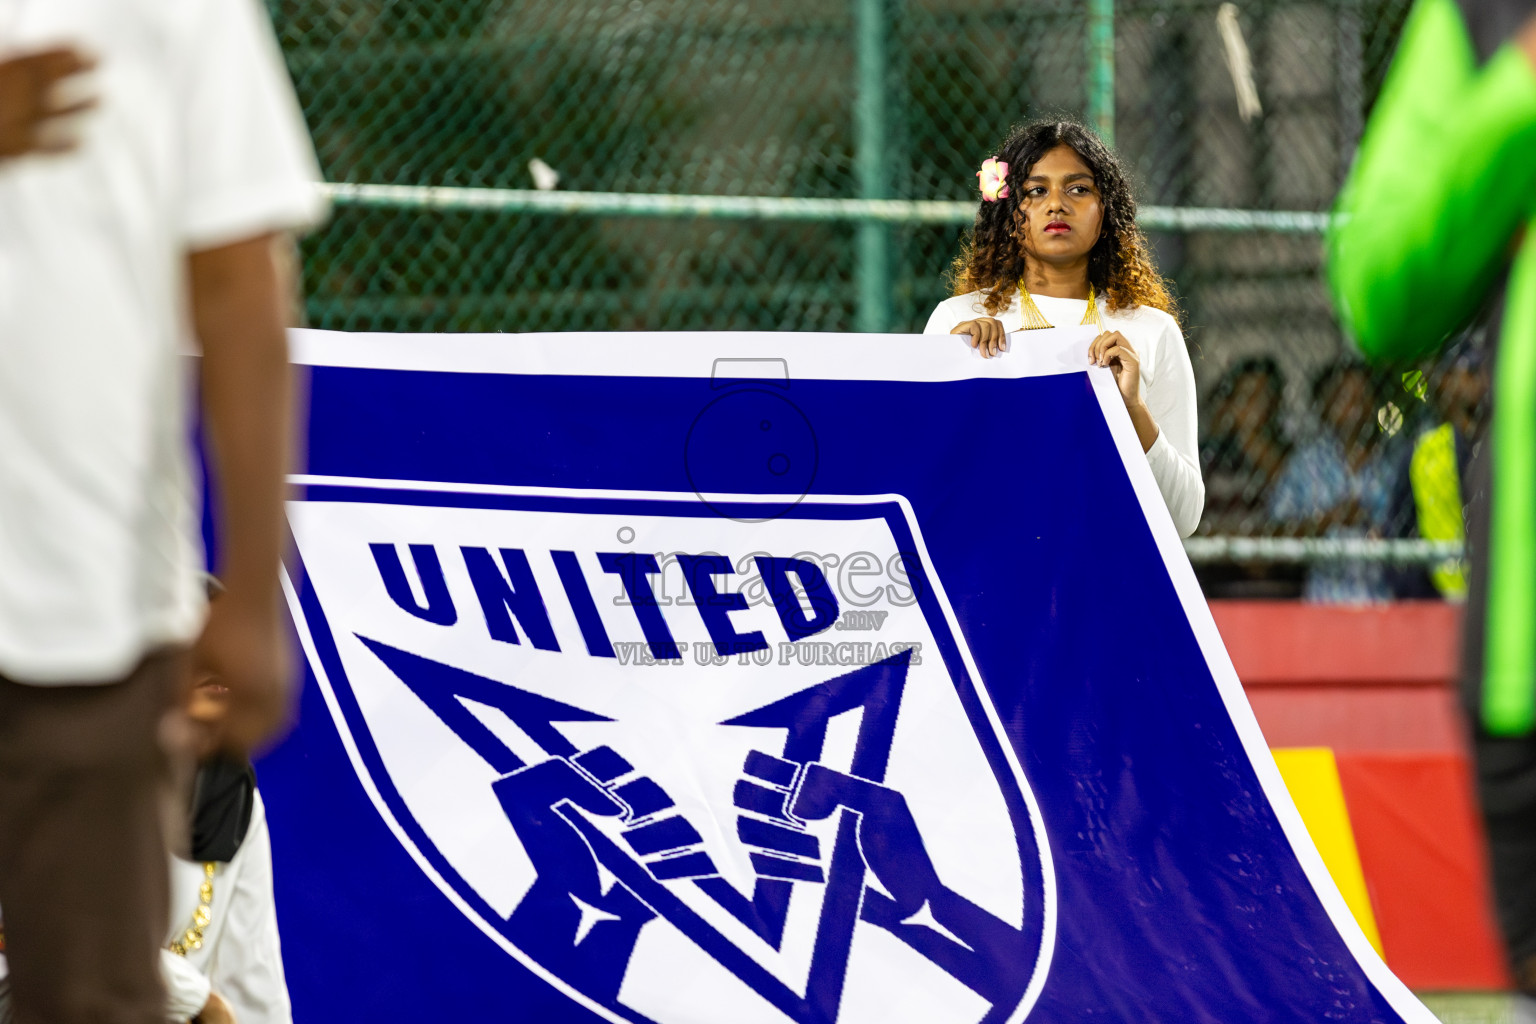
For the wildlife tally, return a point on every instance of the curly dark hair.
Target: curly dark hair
(1119, 265)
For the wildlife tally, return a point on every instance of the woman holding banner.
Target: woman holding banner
(1056, 244)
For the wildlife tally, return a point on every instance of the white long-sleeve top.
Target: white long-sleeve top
(1167, 381)
(241, 958)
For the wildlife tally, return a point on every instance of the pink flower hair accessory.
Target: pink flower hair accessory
(994, 179)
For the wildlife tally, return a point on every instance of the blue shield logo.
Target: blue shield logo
(687, 761)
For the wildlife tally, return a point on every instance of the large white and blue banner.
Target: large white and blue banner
(770, 678)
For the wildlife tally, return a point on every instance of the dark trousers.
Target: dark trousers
(1506, 782)
(85, 791)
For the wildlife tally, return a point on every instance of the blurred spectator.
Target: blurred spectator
(1244, 452)
(1441, 455)
(224, 950)
(1345, 482)
(1246, 448)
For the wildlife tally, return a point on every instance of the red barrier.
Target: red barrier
(1288, 643)
(1377, 685)
(1422, 853)
(1372, 677)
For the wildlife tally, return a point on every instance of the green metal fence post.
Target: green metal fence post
(1101, 68)
(874, 256)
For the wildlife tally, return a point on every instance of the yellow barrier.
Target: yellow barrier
(1312, 776)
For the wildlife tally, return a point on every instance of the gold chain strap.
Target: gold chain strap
(192, 938)
(1034, 320)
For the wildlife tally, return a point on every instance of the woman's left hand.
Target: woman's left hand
(1111, 349)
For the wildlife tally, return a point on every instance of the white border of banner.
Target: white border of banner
(888, 357)
(727, 356)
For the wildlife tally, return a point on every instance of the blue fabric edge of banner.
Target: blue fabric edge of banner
(1198, 614)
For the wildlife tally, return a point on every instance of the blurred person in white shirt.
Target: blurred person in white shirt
(145, 211)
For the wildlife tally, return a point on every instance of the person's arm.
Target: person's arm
(1444, 179)
(240, 301)
(1175, 453)
(1163, 415)
(1306, 500)
(247, 964)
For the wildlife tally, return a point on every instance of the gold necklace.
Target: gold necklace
(192, 938)
(1034, 320)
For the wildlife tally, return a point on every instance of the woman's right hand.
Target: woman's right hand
(985, 335)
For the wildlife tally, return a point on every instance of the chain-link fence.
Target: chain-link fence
(545, 165)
